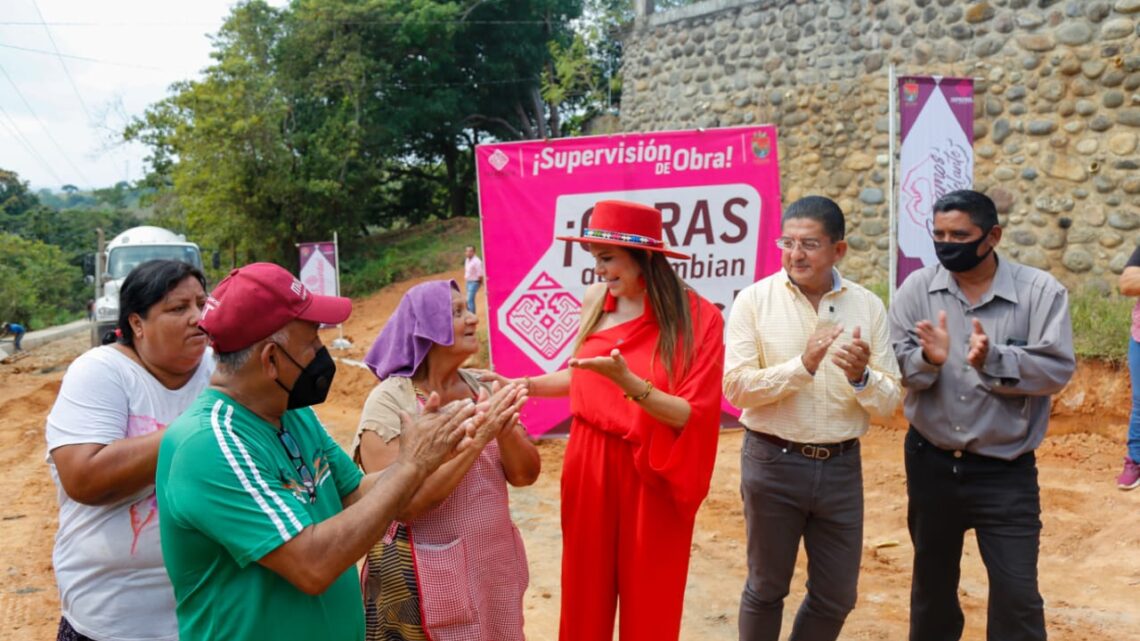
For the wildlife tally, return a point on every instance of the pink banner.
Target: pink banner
(937, 156)
(719, 192)
(318, 268)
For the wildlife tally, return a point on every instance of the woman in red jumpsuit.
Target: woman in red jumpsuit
(644, 388)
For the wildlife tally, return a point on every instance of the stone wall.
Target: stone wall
(1056, 120)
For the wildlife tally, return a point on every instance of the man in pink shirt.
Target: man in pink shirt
(472, 275)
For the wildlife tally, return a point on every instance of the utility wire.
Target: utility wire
(196, 25)
(83, 58)
(47, 131)
(15, 132)
(63, 64)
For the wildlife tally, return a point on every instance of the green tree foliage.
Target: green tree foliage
(71, 230)
(42, 251)
(15, 196)
(37, 285)
(346, 114)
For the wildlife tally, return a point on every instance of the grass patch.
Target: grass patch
(1101, 322)
(388, 258)
(880, 289)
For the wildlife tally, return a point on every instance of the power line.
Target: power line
(47, 131)
(83, 58)
(181, 25)
(63, 64)
(14, 129)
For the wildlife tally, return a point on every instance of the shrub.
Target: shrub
(387, 258)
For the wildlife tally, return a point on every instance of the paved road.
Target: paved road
(43, 336)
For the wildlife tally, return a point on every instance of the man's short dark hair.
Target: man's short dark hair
(820, 209)
(976, 205)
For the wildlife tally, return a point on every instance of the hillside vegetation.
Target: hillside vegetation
(384, 259)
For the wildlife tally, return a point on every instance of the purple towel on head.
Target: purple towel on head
(422, 319)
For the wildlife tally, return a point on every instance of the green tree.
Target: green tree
(15, 196)
(340, 114)
(37, 285)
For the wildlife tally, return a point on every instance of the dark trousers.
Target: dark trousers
(68, 633)
(949, 494)
(788, 497)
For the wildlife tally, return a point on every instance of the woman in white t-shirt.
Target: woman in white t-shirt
(103, 435)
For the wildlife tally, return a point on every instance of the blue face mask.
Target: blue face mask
(961, 257)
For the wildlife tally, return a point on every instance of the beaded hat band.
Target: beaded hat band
(617, 235)
(625, 224)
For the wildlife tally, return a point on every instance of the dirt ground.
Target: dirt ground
(1090, 551)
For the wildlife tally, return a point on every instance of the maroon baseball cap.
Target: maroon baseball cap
(255, 301)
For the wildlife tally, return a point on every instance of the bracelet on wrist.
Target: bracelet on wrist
(642, 396)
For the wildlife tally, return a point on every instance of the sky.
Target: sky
(61, 116)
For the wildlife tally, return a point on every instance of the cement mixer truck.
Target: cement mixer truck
(125, 252)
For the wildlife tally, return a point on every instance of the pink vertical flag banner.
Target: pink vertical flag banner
(318, 268)
(718, 191)
(936, 157)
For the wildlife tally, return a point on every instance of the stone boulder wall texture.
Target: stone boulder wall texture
(1056, 118)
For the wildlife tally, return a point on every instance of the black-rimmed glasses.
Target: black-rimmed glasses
(294, 452)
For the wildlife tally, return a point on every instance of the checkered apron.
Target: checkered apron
(468, 563)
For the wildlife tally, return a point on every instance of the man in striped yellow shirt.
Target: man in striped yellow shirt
(808, 359)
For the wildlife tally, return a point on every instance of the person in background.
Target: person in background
(472, 275)
(103, 434)
(644, 386)
(808, 358)
(982, 343)
(457, 529)
(263, 515)
(1129, 283)
(17, 331)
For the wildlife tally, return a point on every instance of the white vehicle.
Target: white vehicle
(125, 252)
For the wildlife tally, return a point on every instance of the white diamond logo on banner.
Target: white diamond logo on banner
(498, 160)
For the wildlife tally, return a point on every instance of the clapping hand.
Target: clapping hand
(934, 339)
(438, 433)
(817, 346)
(979, 346)
(502, 408)
(853, 357)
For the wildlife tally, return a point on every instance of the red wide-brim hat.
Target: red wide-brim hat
(625, 224)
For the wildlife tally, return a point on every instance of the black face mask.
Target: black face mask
(312, 386)
(961, 257)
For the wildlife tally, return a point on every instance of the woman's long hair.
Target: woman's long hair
(669, 298)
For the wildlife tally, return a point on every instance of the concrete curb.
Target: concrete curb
(45, 336)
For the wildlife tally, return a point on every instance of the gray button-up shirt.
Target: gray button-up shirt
(1001, 409)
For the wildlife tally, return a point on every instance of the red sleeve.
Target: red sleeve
(684, 460)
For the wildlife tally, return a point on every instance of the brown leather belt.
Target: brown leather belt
(818, 451)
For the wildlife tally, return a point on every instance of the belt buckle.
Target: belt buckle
(817, 452)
